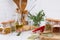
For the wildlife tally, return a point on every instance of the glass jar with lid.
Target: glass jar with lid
(6, 27)
(12, 24)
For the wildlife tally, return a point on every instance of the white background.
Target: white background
(50, 7)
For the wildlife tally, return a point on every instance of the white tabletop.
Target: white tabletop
(12, 36)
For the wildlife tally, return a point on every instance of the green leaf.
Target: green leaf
(38, 18)
(31, 17)
(39, 13)
(42, 19)
(43, 14)
(18, 33)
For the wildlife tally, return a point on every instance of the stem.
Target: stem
(36, 24)
(18, 33)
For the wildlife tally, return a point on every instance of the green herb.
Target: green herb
(18, 33)
(18, 26)
(48, 26)
(38, 18)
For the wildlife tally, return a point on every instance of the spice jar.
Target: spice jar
(56, 29)
(4, 24)
(6, 27)
(11, 22)
(1, 28)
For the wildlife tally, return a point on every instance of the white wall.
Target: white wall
(35, 5)
(50, 7)
(7, 9)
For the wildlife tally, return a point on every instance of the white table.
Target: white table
(12, 36)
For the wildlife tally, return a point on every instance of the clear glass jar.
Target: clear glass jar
(11, 22)
(7, 28)
(1, 28)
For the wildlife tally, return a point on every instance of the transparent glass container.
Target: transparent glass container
(1, 28)
(7, 29)
(12, 25)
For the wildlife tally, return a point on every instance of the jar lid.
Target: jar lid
(4, 22)
(53, 20)
(56, 25)
(10, 21)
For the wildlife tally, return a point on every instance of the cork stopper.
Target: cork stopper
(53, 20)
(11, 21)
(4, 22)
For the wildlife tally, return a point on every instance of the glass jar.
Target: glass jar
(56, 28)
(6, 28)
(1, 28)
(11, 22)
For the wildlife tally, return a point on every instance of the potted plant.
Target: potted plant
(38, 18)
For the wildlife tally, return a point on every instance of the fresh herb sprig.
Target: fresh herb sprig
(38, 18)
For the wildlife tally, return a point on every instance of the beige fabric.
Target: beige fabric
(54, 37)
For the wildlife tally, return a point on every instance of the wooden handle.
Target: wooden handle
(17, 2)
(21, 4)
